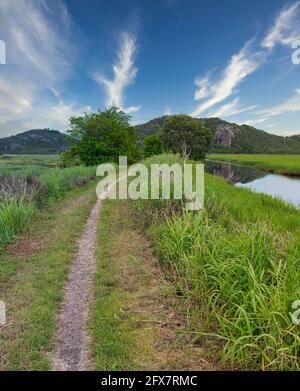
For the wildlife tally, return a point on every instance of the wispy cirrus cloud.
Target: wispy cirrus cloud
(204, 87)
(124, 73)
(56, 114)
(232, 108)
(252, 122)
(292, 104)
(40, 56)
(167, 111)
(285, 28)
(239, 67)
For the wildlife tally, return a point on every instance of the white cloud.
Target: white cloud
(285, 29)
(39, 57)
(290, 105)
(16, 98)
(288, 134)
(204, 87)
(254, 121)
(167, 111)
(124, 72)
(55, 116)
(37, 38)
(240, 66)
(230, 109)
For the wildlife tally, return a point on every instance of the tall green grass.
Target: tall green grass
(14, 218)
(22, 193)
(238, 261)
(58, 182)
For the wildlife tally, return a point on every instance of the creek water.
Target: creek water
(280, 186)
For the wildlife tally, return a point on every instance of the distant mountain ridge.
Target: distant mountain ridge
(232, 138)
(228, 137)
(35, 141)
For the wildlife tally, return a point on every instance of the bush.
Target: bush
(102, 137)
(153, 145)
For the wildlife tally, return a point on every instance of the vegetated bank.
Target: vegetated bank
(281, 164)
(237, 263)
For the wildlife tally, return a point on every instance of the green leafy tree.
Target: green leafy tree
(69, 159)
(102, 137)
(186, 135)
(153, 145)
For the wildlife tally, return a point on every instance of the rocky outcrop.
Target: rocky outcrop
(225, 133)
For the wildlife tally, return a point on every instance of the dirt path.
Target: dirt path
(72, 339)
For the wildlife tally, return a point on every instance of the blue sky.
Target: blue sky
(225, 58)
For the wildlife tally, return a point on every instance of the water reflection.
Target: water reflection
(234, 173)
(286, 188)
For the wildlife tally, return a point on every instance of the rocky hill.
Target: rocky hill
(233, 138)
(36, 141)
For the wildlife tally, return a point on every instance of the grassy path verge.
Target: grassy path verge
(138, 320)
(33, 274)
(281, 164)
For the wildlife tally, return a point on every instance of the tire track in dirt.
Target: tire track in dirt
(72, 350)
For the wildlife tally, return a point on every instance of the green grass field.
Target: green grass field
(281, 164)
(20, 162)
